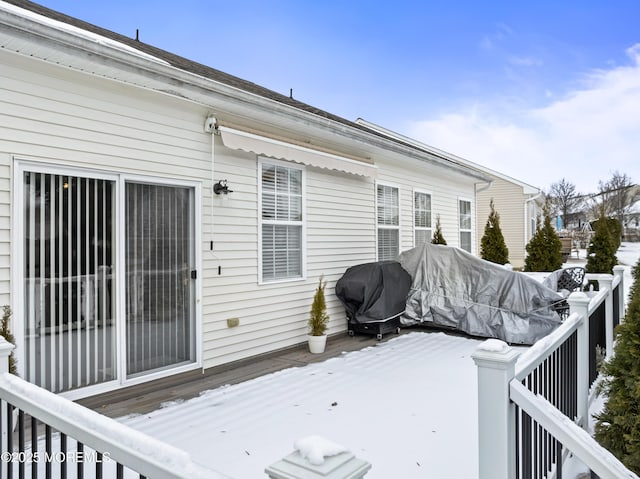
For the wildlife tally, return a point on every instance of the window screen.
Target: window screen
(281, 222)
(388, 222)
(421, 218)
(464, 208)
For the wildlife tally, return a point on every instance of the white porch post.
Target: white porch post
(341, 466)
(619, 272)
(579, 303)
(495, 361)
(5, 351)
(605, 281)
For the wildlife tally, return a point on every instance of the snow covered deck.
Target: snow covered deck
(146, 397)
(408, 406)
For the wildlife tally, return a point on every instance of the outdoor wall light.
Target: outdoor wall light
(221, 188)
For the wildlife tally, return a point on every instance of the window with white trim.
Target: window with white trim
(464, 212)
(388, 222)
(421, 218)
(281, 221)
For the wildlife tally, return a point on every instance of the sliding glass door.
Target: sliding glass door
(68, 256)
(76, 333)
(159, 259)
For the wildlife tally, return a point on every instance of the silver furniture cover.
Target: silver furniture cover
(454, 289)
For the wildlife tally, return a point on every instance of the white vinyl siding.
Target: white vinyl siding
(56, 115)
(281, 221)
(444, 186)
(465, 222)
(421, 218)
(388, 221)
(102, 128)
(339, 231)
(5, 230)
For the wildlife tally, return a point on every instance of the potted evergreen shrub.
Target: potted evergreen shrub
(5, 332)
(318, 320)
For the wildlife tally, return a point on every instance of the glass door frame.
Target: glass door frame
(20, 166)
(195, 226)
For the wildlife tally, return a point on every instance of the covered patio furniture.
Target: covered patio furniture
(454, 289)
(374, 296)
(565, 281)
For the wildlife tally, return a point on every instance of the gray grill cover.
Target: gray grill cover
(374, 291)
(454, 289)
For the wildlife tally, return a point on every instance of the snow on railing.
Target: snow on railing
(60, 437)
(531, 406)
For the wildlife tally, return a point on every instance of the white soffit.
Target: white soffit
(262, 145)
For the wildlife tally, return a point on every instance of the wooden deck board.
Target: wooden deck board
(144, 398)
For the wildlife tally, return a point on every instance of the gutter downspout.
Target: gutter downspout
(486, 186)
(526, 219)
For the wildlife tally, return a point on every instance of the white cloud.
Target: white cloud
(501, 33)
(526, 61)
(583, 137)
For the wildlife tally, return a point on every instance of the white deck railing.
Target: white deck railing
(45, 435)
(533, 409)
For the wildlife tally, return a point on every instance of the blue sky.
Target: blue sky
(538, 91)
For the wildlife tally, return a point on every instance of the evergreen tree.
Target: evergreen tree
(614, 227)
(492, 246)
(437, 234)
(601, 252)
(5, 331)
(544, 250)
(618, 425)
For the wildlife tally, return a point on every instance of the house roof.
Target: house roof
(145, 57)
(528, 189)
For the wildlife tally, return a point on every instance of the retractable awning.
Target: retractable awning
(275, 148)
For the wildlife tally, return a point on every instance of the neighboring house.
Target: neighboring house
(519, 206)
(159, 216)
(518, 203)
(632, 222)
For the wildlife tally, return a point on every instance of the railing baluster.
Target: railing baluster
(2, 440)
(538, 432)
(518, 441)
(528, 450)
(49, 451)
(99, 465)
(9, 438)
(21, 442)
(63, 449)
(34, 447)
(80, 463)
(558, 460)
